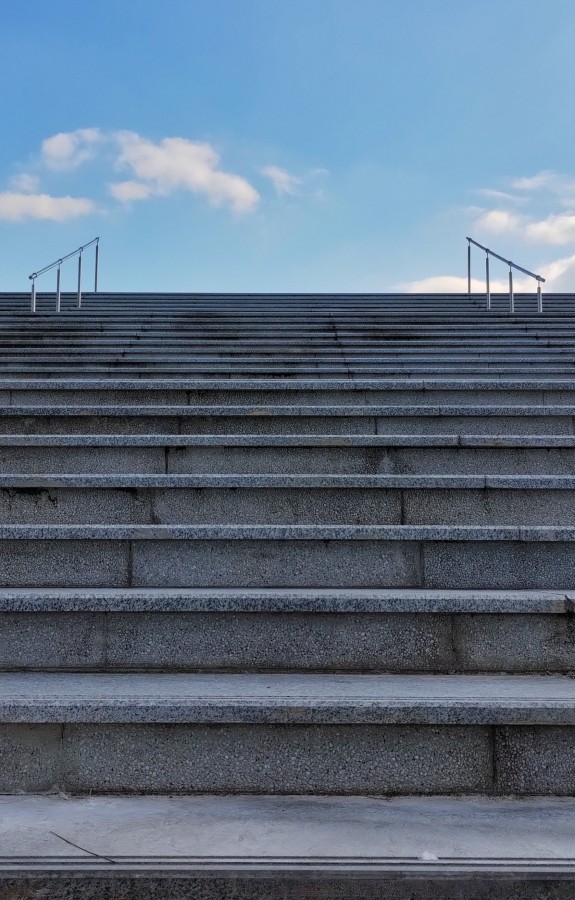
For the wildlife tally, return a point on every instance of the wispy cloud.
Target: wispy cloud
(25, 183)
(283, 182)
(17, 207)
(69, 149)
(555, 229)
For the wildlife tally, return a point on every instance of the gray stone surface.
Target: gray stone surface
(43, 640)
(256, 563)
(291, 642)
(26, 563)
(31, 757)
(502, 565)
(535, 760)
(508, 643)
(280, 759)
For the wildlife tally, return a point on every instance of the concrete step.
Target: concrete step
(280, 848)
(285, 734)
(283, 630)
(223, 392)
(424, 556)
(287, 499)
(285, 419)
(157, 454)
(182, 371)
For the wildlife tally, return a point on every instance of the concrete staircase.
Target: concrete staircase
(287, 595)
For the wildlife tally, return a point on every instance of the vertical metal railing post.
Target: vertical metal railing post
(33, 295)
(96, 260)
(80, 278)
(511, 294)
(487, 283)
(539, 297)
(468, 267)
(58, 294)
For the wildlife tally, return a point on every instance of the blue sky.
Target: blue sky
(287, 145)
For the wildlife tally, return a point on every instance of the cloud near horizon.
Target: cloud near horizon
(558, 274)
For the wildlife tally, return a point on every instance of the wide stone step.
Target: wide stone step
(182, 371)
(224, 392)
(287, 499)
(285, 734)
(426, 556)
(287, 630)
(448, 454)
(285, 419)
(280, 848)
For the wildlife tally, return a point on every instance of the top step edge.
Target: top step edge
(285, 600)
(287, 384)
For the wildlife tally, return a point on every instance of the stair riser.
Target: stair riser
(144, 423)
(299, 563)
(142, 396)
(279, 460)
(287, 884)
(289, 759)
(285, 506)
(294, 642)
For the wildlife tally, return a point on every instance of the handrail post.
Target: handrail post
(468, 267)
(33, 296)
(511, 294)
(58, 289)
(487, 284)
(96, 265)
(80, 278)
(539, 297)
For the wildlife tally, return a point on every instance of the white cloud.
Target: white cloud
(69, 149)
(457, 284)
(559, 186)
(498, 221)
(25, 183)
(283, 182)
(451, 284)
(16, 207)
(127, 191)
(177, 163)
(555, 229)
(555, 272)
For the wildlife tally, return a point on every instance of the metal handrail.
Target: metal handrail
(58, 263)
(508, 262)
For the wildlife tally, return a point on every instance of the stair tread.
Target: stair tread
(318, 836)
(358, 600)
(288, 699)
